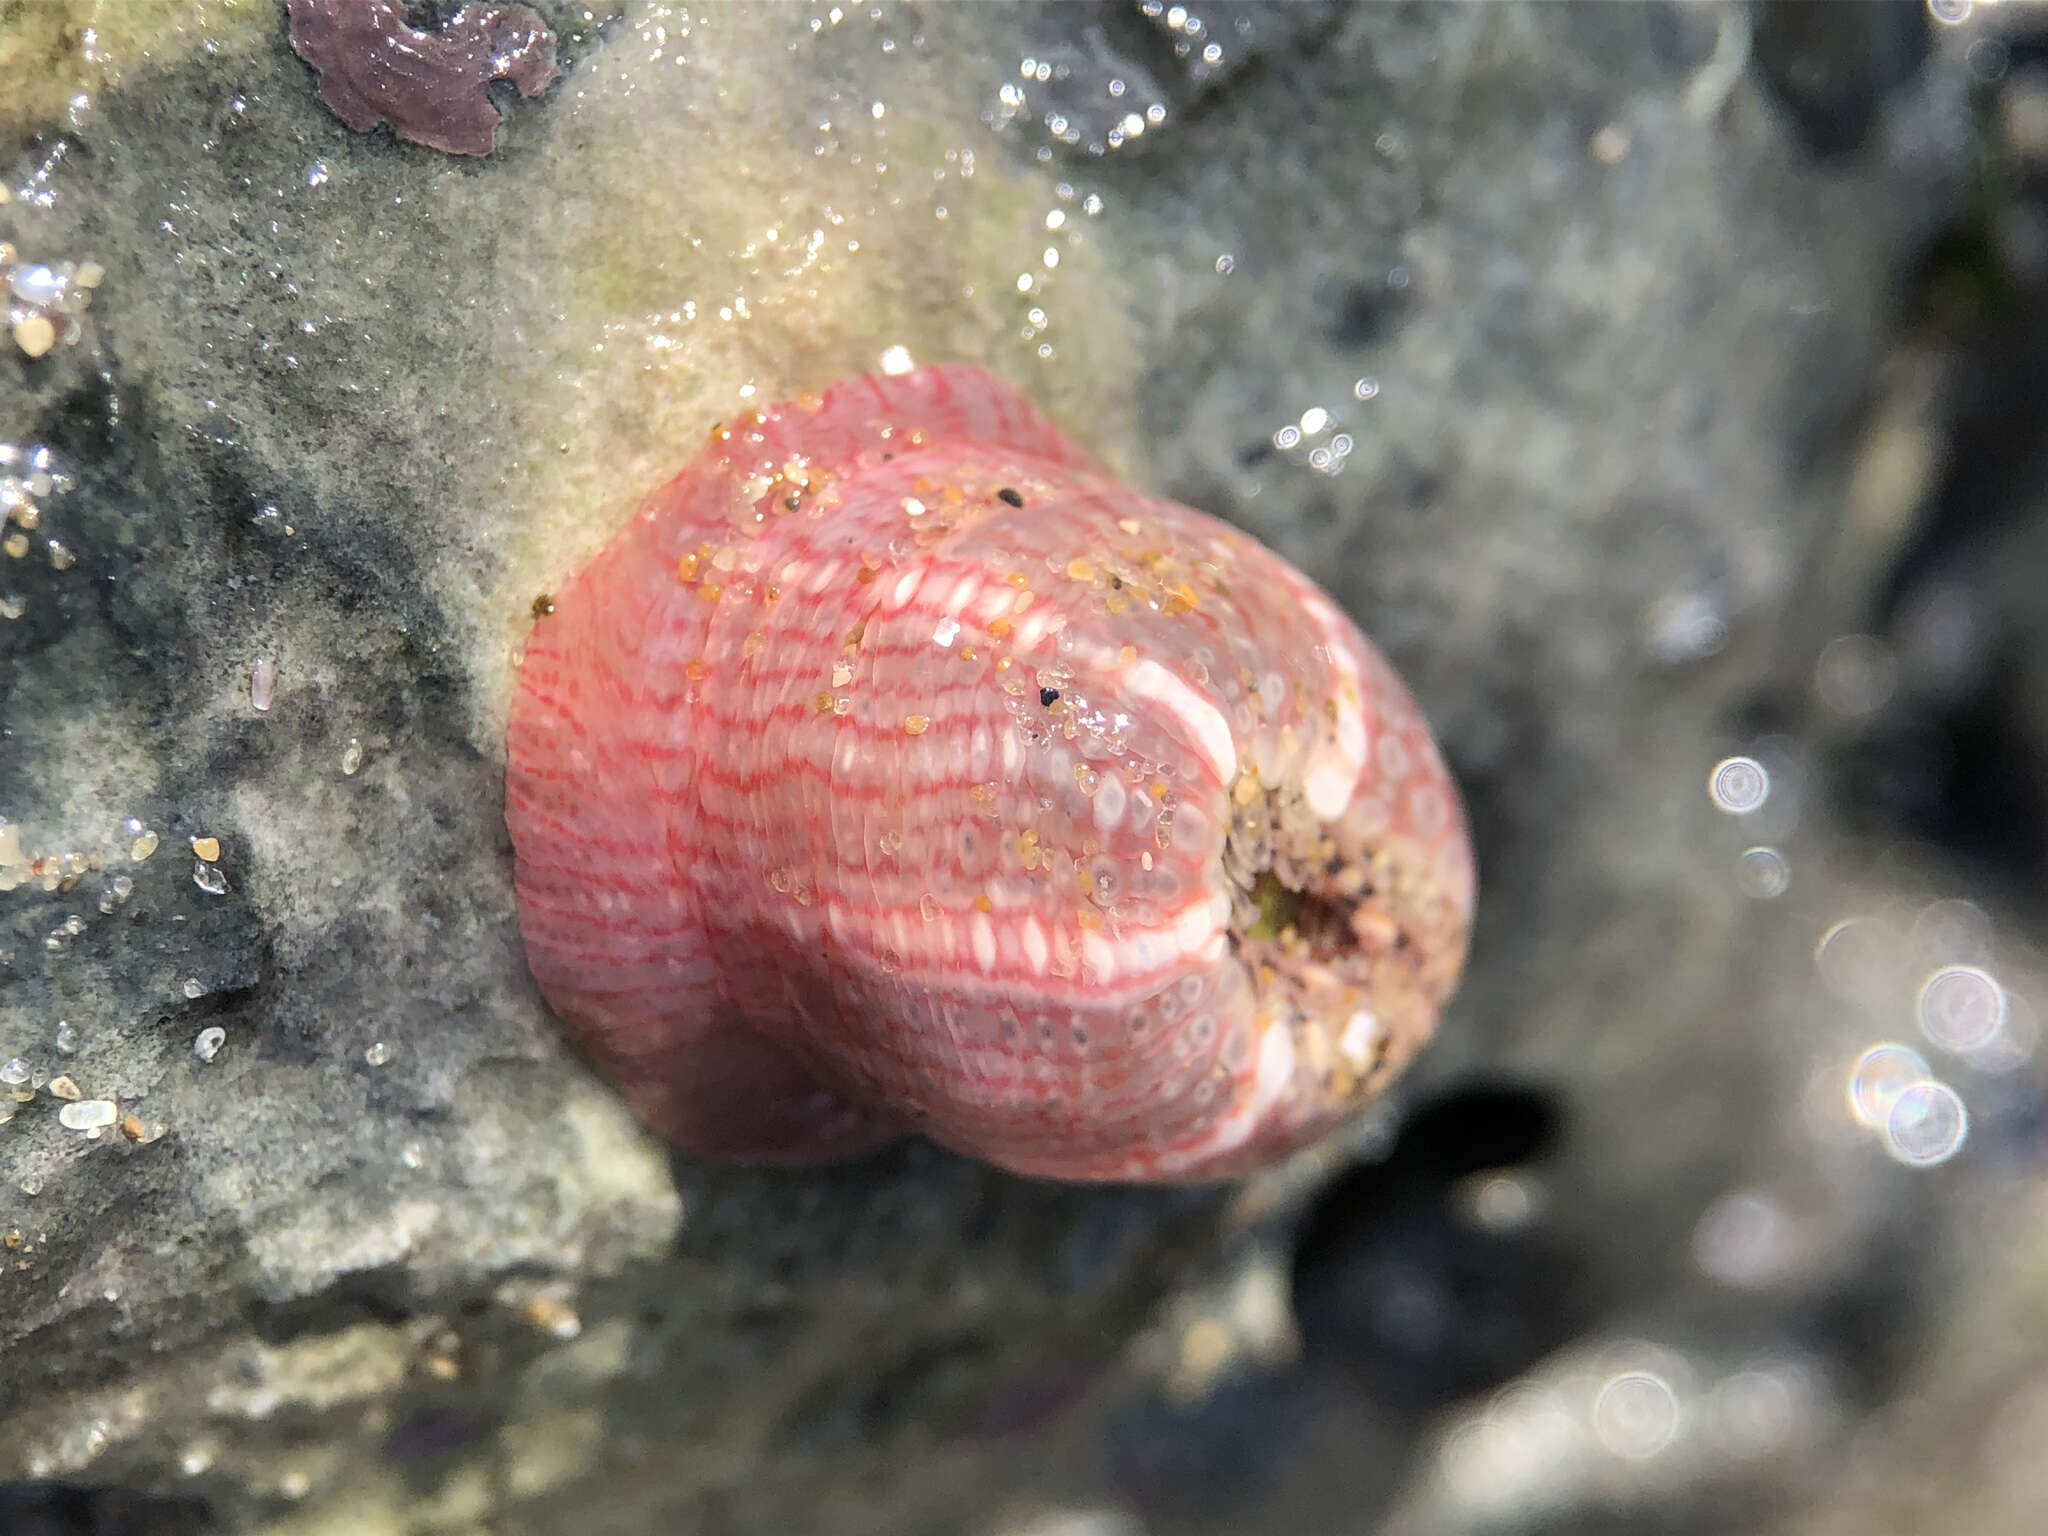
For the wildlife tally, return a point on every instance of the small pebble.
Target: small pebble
(207, 848)
(34, 334)
(64, 1088)
(262, 685)
(351, 756)
(210, 1040)
(378, 1053)
(88, 1115)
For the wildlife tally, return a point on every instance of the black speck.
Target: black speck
(1012, 497)
(1048, 697)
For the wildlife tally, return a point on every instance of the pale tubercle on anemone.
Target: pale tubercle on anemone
(895, 772)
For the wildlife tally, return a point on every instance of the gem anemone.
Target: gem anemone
(896, 771)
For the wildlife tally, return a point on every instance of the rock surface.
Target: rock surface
(1545, 336)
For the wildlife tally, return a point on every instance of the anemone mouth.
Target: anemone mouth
(1310, 925)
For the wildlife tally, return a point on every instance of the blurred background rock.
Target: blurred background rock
(1659, 385)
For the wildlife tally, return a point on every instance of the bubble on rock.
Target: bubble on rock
(1855, 676)
(1763, 873)
(1739, 785)
(1880, 1076)
(1743, 1239)
(1636, 1414)
(2013, 1046)
(1961, 1007)
(36, 284)
(1927, 1125)
(1858, 961)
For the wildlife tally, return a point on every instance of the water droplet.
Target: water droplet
(1636, 1414)
(208, 878)
(1854, 675)
(1763, 873)
(1927, 1125)
(37, 285)
(15, 1071)
(1880, 1077)
(1739, 785)
(378, 1052)
(2013, 1046)
(1961, 1007)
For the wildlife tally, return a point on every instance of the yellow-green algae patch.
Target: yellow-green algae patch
(732, 209)
(53, 51)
